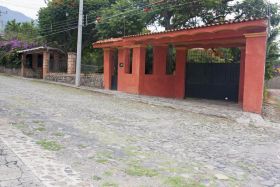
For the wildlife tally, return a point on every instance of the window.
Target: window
(149, 60)
(171, 60)
(51, 63)
(29, 61)
(40, 61)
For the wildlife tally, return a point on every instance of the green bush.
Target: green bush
(10, 59)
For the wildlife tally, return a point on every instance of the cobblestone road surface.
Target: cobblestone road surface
(13, 172)
(113, 141)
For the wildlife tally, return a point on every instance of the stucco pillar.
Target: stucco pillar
(108, 67)
(241, 77)
(71, 63)
(254, 72)
(160, 55)
(46, 60)
(138, 66)
(23, 62)
(123, 61)
(180, 74)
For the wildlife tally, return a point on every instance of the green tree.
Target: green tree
(62, 15)
(26, 32)
(12, 29)
(121, 18)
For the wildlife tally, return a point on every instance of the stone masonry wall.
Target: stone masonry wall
(11, 71)
(91, 80)
(273, 83)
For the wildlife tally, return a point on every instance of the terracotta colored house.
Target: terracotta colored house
(126, 70)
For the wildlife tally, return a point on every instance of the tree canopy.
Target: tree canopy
(57, 23)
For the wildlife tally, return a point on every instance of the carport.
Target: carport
(241, 82)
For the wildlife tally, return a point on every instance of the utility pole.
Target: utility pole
(79, 45)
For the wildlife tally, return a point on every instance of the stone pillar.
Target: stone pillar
(138, 66)
(254, 72)
(56, 61)
(34, 61)
(160, 55)
(180, 72)
(108, 67)
(46, 60)
(71, 63)
(23, 64)
(241, 79)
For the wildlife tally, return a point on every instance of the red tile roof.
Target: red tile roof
(181, 29)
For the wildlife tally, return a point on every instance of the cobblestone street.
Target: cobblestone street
(13, 172)
(61, 136)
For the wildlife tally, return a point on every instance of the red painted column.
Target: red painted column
(181, 56)
(159, 64)
(241, 79)
(126, 60)
(138, 66)
(108, 67)
(254, 72)
(123, 61)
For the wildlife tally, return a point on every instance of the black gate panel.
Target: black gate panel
(114, 84)
(218, 81)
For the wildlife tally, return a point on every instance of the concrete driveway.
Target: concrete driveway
(67, 136)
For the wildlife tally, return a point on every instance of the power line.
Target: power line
(57, 26)
(110, 17)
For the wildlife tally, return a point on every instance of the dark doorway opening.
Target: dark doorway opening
(114, 83)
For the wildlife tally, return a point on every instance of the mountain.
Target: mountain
(11, 14)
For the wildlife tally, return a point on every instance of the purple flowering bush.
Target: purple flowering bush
(8, 52)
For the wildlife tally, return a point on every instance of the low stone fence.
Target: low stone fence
(273, 83)
(90, 80)
(11, 71)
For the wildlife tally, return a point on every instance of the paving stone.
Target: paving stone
(120, 136)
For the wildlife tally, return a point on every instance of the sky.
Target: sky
(27, 7)
(31, 7)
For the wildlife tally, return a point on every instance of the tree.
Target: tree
(62, 15)
(25, 32)
(120, 19)
(12, 29)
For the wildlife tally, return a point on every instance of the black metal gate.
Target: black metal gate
(114, 84)
(217, 81)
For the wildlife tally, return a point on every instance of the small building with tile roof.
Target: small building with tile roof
(125, 63)
(38, 62)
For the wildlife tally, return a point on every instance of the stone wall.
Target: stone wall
(273, 83)
(11, 71)
(91, 80)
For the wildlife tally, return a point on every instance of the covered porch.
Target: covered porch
(128, 73)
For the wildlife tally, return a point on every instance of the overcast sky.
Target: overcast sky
(31, 7)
